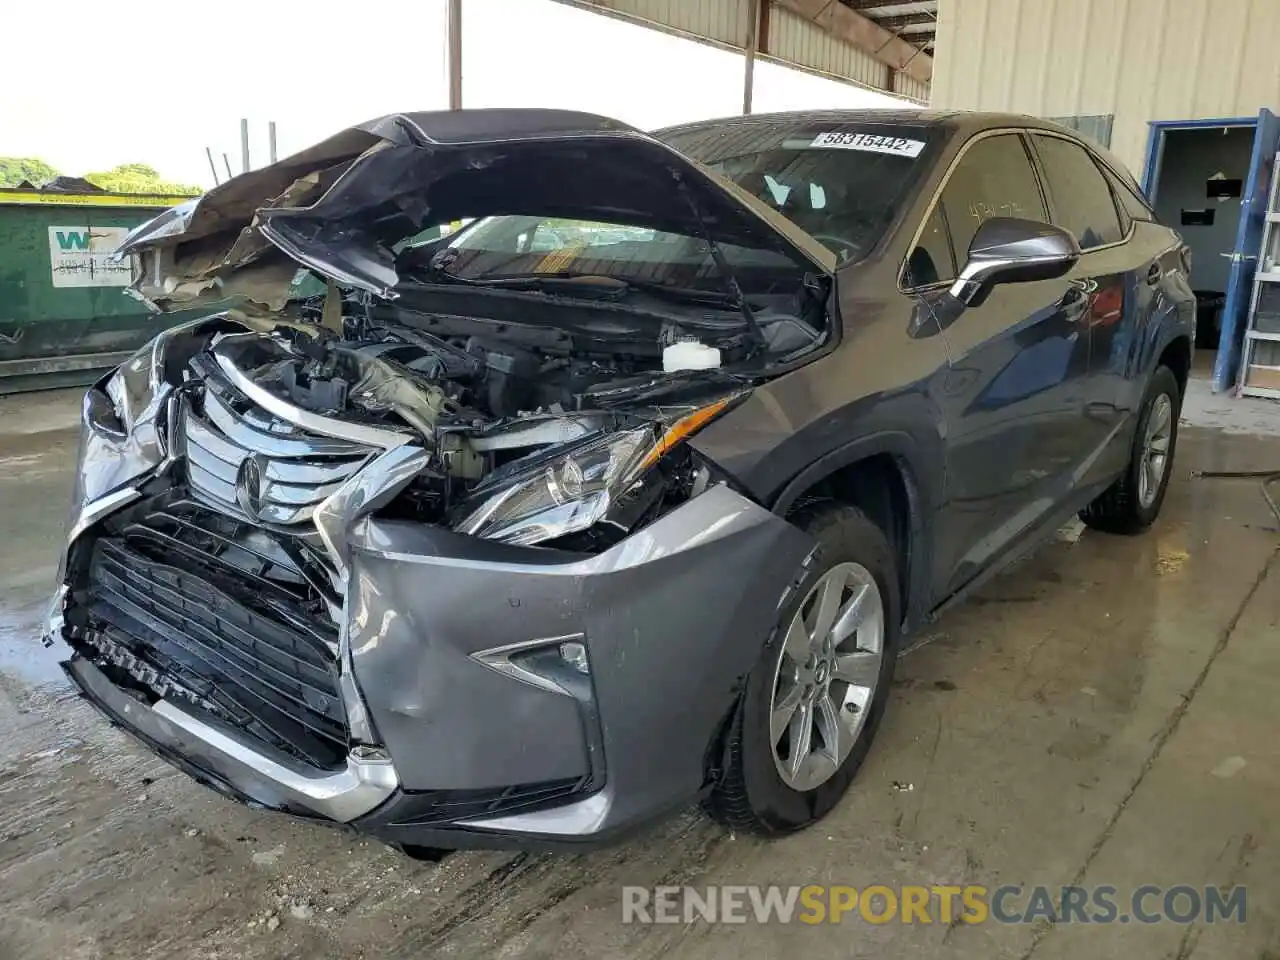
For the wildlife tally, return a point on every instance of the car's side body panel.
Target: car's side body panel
(1029, 398)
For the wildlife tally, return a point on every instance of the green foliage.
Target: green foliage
(14, 170)
(138, 178)
(125, 178)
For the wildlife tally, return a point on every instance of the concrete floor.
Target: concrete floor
(1105, 713)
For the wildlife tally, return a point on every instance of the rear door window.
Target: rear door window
(1082, 200)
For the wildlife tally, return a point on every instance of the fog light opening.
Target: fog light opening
(574, 653)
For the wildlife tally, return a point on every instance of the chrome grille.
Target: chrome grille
(298, 469)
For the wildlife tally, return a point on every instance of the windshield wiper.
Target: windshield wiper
(612, 288)
(602, 286)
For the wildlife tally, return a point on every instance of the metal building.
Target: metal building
(882, 44)
(1180, 90)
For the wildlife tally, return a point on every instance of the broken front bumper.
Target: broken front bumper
(510, 696)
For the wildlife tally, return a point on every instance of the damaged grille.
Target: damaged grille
(292, 471)
(191, 606)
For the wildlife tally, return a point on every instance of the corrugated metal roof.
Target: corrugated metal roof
(916, 21)
(794, 39)
(784, 35)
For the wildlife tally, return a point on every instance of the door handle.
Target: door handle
(1154, 273)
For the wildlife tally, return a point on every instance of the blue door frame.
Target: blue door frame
(1240, 283)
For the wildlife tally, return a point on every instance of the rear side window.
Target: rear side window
(993, 179)
(1082, 200)
(1133, 205)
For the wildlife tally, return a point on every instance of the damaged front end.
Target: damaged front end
(409, 568)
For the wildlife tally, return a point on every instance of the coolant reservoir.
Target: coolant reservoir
(689, 355)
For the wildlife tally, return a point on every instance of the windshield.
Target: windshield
(843, 184)
(522, 246)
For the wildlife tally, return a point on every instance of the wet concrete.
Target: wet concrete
(1104, 713)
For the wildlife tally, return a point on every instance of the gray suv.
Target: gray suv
(623, 494)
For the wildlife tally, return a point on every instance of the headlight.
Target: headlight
(136, 385)
(575, 490)
(138, 389)
(563, 496)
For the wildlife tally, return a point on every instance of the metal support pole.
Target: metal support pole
(244, 145)
(226, 162)
(271, 140)
(753, 39)
(455, 54)
(213, 168)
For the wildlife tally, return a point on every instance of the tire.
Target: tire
(752, 795)
(1122, 507)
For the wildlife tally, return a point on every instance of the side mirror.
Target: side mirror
(1011, 250)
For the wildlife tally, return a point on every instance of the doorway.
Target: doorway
(1208, 180)
(1197, 191)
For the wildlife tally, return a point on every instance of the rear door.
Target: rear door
(1013, 396)
(1112, 281)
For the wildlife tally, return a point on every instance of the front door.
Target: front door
(1014, 392)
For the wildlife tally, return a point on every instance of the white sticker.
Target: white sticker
(80, 256)
(869, 142)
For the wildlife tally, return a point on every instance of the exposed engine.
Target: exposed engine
(482, 408)
(424, 380)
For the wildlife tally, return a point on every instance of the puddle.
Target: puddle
(22, 655)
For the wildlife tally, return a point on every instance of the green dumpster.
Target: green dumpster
(64, 316)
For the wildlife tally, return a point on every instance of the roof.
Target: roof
(967, 121)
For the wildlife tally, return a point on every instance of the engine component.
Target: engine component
(510, 382)
(689, 355)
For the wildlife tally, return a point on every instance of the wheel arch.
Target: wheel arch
(1176, 355)
(887, 476)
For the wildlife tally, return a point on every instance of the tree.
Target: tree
(15, 170)
(139, 178)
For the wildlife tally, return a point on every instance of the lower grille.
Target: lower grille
(436, 807)
(235, 642)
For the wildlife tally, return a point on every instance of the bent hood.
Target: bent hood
(340, 206)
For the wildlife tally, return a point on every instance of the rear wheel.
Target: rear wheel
(1132, 503)
(814, 700)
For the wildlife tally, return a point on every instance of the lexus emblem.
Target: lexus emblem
(251, 485)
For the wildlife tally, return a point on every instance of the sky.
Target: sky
(155, 81)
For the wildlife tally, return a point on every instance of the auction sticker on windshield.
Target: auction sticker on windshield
(870, 142)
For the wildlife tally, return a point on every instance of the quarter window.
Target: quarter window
(932, 259)
(1082, 201)
(1131, 202)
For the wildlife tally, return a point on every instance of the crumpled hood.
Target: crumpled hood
(340, 206)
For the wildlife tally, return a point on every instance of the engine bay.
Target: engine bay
(485, 409)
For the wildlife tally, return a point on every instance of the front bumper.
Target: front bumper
(226, 763)
(451, 747)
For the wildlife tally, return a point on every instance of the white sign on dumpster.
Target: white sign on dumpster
(80, 257)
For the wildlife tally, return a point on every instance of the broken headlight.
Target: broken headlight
(567, 494)
(575, 489)
(136, 387)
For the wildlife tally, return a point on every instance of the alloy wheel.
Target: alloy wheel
(828, 671)
(1155, 450)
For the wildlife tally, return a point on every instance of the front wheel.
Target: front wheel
(1132, 503)
(815, 697)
